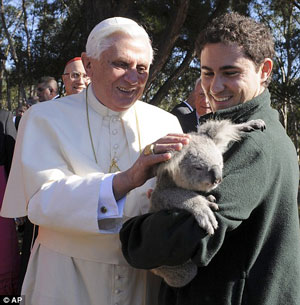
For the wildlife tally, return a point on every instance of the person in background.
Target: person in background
(254, 255)
(32, 100)
(189, 121)
(9, 254)
(19, 113)
(201, 102)
(90, 173)
(74, 76)
(47, 89)
(184, 107)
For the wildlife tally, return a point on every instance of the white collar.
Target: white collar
(99, 107)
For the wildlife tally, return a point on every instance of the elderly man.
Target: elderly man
(254, 255)
(47, 89)
(189, 121)
(74, 76)
(91, 172)
(185, 107)
(201, 103)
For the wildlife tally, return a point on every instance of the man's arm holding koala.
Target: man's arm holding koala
(155, 239)
(172, 237)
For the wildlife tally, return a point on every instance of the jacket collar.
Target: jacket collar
(240, 113)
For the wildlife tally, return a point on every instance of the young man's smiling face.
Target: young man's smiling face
(230, 78)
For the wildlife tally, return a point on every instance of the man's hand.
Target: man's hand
(142, 169)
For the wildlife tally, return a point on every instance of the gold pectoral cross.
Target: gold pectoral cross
(114, 166)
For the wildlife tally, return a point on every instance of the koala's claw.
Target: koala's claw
(255, 124)
(213, 206)
(210, 224)
(205, 217)
(211, 198)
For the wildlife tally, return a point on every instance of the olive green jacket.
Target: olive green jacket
(254, 256)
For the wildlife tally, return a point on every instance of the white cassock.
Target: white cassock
(56, 180)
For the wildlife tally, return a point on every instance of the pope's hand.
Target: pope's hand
(142, 169)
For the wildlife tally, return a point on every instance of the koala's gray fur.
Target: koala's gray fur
(197, 167)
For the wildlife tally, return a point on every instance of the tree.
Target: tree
(17, 24)
(42, 35)
(10, 18)
(173, 32)
(61, 30)
(283, 18)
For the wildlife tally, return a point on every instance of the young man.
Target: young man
(74, 76)
(254, 255)
(90, 173)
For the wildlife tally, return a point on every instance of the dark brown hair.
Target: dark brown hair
(232, 28)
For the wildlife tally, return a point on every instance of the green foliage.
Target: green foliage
(48, 33)
(283, 18)
(58, 38)
(198, 15)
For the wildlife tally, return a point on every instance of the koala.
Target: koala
(196, 168)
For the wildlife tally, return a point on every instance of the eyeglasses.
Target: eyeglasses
(41, 89)
(76, 75)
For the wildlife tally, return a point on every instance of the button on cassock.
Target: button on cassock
(103, 210)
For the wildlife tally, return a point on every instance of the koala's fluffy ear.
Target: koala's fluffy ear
(221, 132)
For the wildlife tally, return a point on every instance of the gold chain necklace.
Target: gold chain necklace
(113, 163)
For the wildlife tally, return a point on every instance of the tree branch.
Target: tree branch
(12, 48)
(26, 30)
(162, 92)
(169, 37)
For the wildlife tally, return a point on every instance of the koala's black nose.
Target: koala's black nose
(215, 174)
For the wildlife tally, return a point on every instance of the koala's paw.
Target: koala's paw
(212, 202)
(205, 216)
(211, 198)
(177, 276)
(254, 124)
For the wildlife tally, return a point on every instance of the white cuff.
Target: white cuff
(108, 207)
